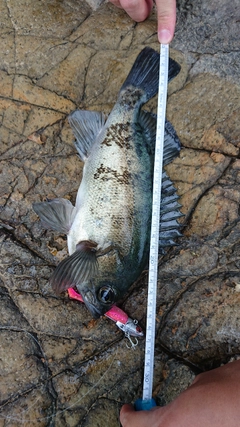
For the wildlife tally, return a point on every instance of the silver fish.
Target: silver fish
(108, 230)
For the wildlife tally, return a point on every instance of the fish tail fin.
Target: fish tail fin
(144, 74)
(173, 69)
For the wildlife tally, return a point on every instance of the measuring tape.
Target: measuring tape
(147, 402)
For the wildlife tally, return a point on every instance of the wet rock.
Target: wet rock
(67, 79)
(210, 64)
(104, 29)
(21, 372)
(35, 408)
(174, 373)
(199, 23)
(199, 172)
(204, 102)
(203, 326)
(24, 90)
(6, 83)
(190, 262)
(46, 19)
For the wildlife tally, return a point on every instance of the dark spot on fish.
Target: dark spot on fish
(130, 97)
(107, 141)
(99, 171)
(126, 176)
(120, 134)
(117, 221)
(106, 173)
(123, 222)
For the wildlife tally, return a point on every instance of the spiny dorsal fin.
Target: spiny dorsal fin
(172, 145)
(77, 268)
(169, 214)
(86, 126)
(148, 124)
(57, 214)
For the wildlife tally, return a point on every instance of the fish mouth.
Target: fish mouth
(94, 309)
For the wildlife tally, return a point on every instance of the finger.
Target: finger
(166, 11)
(138, 10)
(129, 417)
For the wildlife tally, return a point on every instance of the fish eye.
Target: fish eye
(106, 294)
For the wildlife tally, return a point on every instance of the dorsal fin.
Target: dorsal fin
(169, 214)
(172, 145)
(148, 123)
(86, 126)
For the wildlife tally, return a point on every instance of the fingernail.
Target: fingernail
(164, 36)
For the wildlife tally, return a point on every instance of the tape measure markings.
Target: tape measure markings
(154, 240)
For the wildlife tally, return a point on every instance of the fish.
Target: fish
(108, 229)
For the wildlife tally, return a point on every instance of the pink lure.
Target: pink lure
(125, 323)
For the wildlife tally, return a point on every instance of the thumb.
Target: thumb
(130, 418)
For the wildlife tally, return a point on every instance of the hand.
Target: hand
(139, 10)
(211, 401)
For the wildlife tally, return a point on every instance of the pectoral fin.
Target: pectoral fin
(56, 214)
(86, 126)
(77, 268)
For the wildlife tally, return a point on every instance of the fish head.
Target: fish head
(97, 279)
(99, 296)
(106, 286)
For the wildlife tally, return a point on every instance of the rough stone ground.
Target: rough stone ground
(58, 367)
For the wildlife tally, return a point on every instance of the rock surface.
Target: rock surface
(58, 366)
